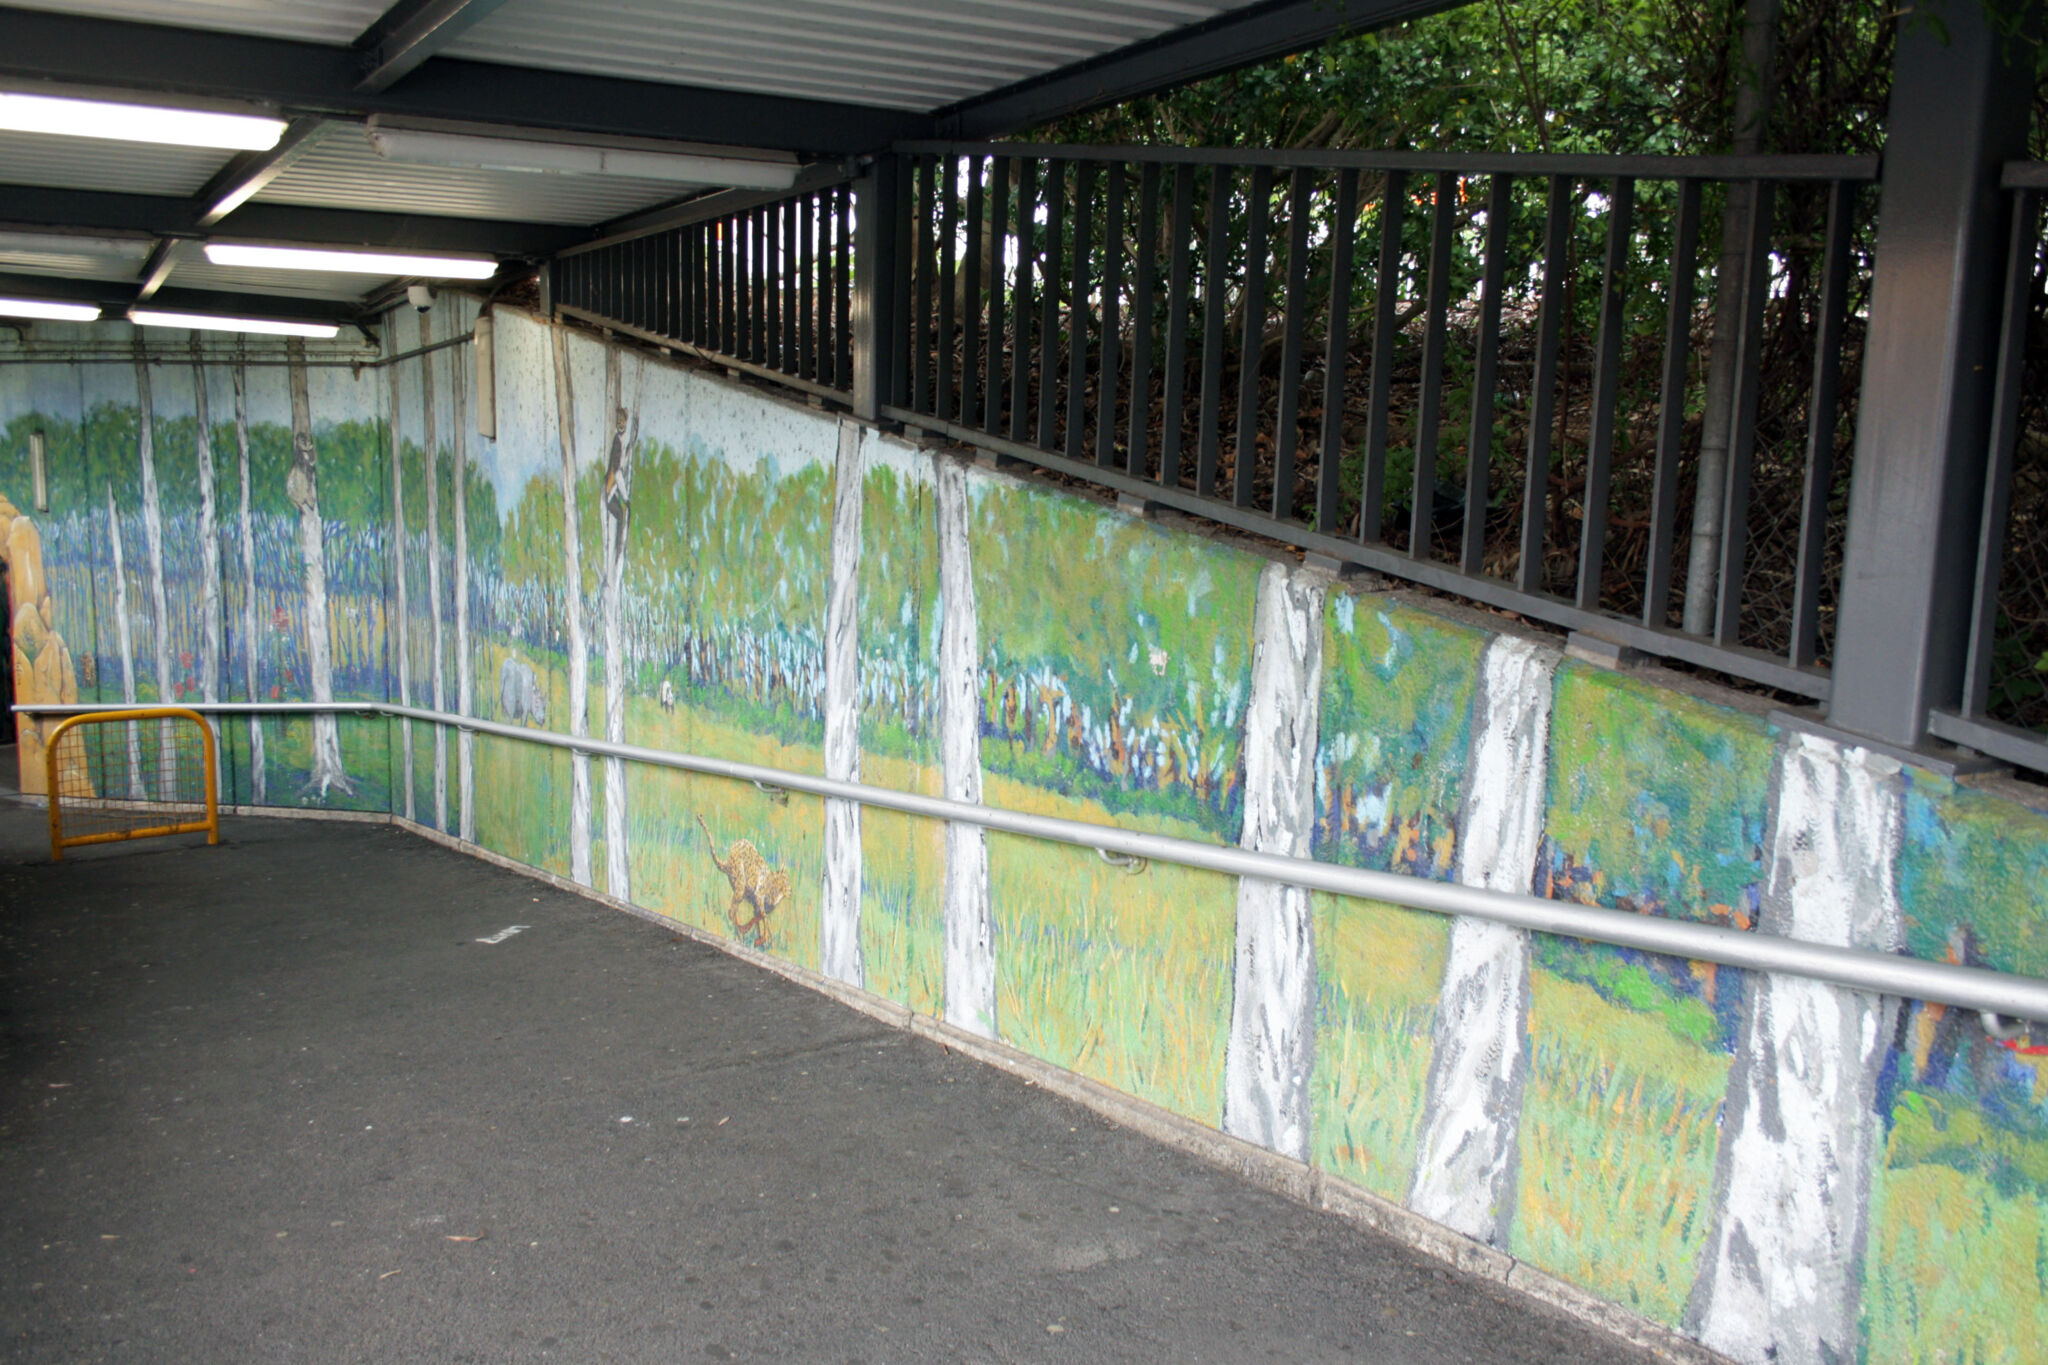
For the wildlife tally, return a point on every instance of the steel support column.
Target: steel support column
(1959, 106)
(878, 205)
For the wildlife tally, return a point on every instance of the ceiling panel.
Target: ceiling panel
(313, 21)
(72, 258)
(342, 172)
(85, 163)
(201, 273)
(907, 54)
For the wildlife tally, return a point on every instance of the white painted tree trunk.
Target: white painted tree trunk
(257, 774)
(1780, 1279)
(159, 605)
(1468, 1158)
(616, 510)
(970, 925)
(1270, 1060)
(401, 627)
(465, 669)
(572, 606)
(125, 633)
(302, 487)
(437, 669)
(839, 954)
(210, 616)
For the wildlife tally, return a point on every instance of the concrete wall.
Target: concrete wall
(1781, 1170)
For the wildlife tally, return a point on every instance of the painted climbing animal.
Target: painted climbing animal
(520, 698)
(757, 887)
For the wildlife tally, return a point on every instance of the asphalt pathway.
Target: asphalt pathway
(277, 1101)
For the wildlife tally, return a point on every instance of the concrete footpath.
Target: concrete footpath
(276, 1101)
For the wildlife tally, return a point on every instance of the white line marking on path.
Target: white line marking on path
(505, 933)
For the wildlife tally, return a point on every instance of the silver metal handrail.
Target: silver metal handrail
(1992, 993)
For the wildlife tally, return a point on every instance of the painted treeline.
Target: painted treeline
(651, 554)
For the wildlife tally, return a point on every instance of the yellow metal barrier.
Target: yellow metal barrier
(131, 774)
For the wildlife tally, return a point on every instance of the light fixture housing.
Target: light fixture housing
(352, 262)
(209, 322)
(49, 310)
(64, 117)
(463, 151)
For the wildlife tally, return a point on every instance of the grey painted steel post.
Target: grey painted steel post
(877, 205)
(1960, 94)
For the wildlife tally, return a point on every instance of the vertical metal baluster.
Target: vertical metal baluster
(792, 355)
(1252, 343)
(1173, 389)
(2024, 244)
(948, 286)
(1671, 403)
(1110, 368)
(1742, 443)
(758, 311)
(822, 361)
(999, 237)
(1215, 260)
(1080, 286)
(1137, 459)
(970, 300)
(921, 312)
(1049, 306)
(772, 276)
(1287, 425)
(1822, 417)
(1429, 404)
(1020, 353)
(686, 285)
(1543, 390)
(721, 299)
(842, 328)
(1336, 358)
(1621, 211)
(903, 235)
(1380, 404)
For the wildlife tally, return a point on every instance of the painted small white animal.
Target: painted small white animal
(1158, 662)
(667, 695)
(520, 698)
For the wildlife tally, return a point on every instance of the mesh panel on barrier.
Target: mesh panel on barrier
(130, 775)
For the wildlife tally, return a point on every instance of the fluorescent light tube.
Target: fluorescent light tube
(352, 262)
(52, 312)
(572, 158)
(207, 322)
(137, 123)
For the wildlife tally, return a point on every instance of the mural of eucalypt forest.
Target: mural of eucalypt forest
(1785, 1171)
(208, 538)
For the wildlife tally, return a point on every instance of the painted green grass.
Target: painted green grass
(1124, 978)
(903, 867)
(1958, 1273)
(1379, 967)
(366, 757)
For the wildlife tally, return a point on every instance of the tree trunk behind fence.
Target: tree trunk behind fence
(1271, 1055)
(125, 633)
(615, 507)
(572, 602)
(465, 681)
(839, 932)
(210, 619)
(1468, 1157)
(437, 668)
(401, 631)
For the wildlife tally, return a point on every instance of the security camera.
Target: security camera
(420, 296)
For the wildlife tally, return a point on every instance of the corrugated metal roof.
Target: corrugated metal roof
(907, 54)
(313, 21)
(196, 272)
(73, 258)
(342, 172)
(84, 163)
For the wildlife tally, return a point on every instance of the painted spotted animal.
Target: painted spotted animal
(757, 887)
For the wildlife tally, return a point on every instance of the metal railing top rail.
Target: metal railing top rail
(818, 175)
(2024, 175)
(1590, 165)
(1995, 994)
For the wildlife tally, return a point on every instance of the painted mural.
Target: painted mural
(647, 554)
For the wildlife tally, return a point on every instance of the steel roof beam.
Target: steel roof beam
(313, 78)
(163, 216)
(1240, 38)
(163, 259)
(410, 32)
(243, 178)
